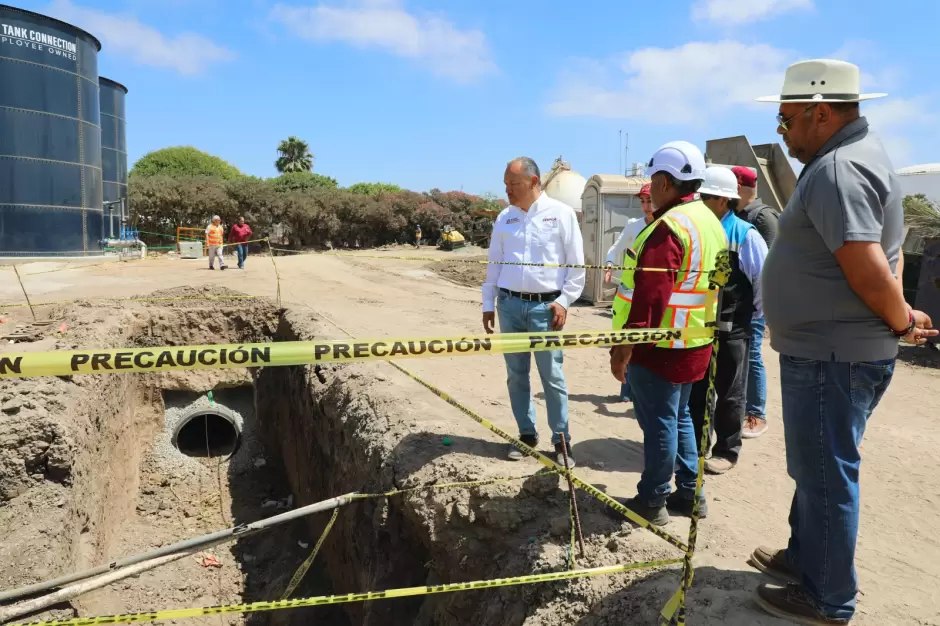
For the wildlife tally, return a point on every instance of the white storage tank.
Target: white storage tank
(923, 179)
(564, 184)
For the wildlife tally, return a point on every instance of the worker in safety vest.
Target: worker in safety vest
(684, 240)
(214, 233)
(740, 304)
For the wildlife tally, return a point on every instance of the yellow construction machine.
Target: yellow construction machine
(451, 239)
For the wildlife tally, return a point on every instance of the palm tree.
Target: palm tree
(294, 156)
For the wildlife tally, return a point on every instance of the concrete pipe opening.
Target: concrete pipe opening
(207, 432)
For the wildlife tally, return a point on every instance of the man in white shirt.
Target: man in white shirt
(615, 256)
(533, 229)
(627, 236)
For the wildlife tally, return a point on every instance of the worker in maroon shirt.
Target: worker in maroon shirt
(239, 235)
(684, 240)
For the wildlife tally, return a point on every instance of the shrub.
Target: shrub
(308, 209)
(183, 161)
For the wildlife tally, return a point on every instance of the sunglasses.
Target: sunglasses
(783, 122)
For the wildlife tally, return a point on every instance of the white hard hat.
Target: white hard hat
(720, 181)
(679, 158)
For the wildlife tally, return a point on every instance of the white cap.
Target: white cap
(720, 181)
(216, 217)
(679, 158)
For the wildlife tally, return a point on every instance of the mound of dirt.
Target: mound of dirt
(462, 272)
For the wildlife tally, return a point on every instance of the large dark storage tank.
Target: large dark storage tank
(50, 137)
(113, 153)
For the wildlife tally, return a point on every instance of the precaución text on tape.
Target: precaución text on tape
(71, 362)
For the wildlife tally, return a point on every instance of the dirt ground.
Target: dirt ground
(898, 557)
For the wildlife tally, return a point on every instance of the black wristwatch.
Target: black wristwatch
(910, 327)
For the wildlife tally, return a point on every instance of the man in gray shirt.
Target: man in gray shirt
(836, 314)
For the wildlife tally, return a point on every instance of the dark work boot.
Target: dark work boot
(560, 457)
(655, 515)
(680, 505)
(791, 603)
(515, 454)
(774, 563)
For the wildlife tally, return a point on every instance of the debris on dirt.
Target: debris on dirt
(467, 274)
(208, 560)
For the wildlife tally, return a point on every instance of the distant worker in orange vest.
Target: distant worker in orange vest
(214, 233)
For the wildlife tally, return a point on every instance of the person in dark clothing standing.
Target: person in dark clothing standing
(239, 234)
(740, 299)
(752, 209)
(764, 219)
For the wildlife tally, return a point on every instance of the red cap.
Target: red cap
(644, 190)
(745, 175)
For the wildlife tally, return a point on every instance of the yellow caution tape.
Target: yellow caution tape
(244, 243)
(367, 596)
(225, 356)
(305, 566)
(547, 462)
(434, 259)
(302, 570)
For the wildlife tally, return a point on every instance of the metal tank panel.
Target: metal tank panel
(113, 153)
(50, 137)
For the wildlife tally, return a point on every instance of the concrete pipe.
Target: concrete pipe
(207, 432)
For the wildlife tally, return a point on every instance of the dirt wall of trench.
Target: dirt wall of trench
(76, 490)
(349, 428)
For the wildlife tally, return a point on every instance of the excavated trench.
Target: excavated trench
(131, 462)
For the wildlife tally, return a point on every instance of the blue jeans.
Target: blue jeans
(756, 377)
(662, 410)
(625, 393)
(826, 406)
(241, 249)
(518, 316)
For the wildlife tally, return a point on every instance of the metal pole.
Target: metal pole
(626, 152)
(574, 503)
(205, 541)
(26, 295)
(86, 586)
(619, 146)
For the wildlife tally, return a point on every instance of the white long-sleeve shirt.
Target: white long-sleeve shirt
(547, 233)
(627, 236)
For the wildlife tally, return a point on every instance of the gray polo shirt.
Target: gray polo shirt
(848, 192)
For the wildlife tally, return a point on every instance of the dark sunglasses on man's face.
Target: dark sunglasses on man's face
(783, 122)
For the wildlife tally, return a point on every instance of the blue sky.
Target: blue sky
(441, 94)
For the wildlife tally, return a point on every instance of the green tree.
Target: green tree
(184, 161)
(293, 156)
(299, 181)
(161, 203)
(373, 189)
(922, 215)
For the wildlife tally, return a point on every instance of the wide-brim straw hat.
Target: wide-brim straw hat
(821, 80)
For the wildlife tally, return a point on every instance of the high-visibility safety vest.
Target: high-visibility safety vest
(702, 237)
(214, 235)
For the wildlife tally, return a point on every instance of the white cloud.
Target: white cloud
(187, 53)
(875, 74)
(737, 12)
(895, 120)
(681, 85)
(432, 40)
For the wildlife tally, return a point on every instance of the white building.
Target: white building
(923, 179)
